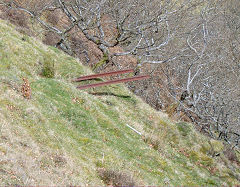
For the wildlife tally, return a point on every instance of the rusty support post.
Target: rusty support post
(113, 82)
(88, 77)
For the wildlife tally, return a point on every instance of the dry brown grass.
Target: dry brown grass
(25, 162)
(17, 18)
(230, 154)
(115, 178)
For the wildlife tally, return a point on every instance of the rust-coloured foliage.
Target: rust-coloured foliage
(26, 89)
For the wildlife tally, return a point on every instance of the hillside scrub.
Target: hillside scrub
(65, 136)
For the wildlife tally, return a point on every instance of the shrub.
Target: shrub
(48, 70)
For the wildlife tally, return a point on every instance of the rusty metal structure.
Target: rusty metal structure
(89, 77)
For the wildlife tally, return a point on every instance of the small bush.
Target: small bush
(48, 70)
(114, 178)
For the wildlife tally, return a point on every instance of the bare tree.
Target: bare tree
(140, 27)
(201, 83)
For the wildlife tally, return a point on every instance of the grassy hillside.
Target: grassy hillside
(80, 137)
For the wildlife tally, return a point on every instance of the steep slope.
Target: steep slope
(67, 136)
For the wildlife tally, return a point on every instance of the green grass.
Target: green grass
(65, 136)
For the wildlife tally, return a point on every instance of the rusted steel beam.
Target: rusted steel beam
(113, 82)
(88, 77)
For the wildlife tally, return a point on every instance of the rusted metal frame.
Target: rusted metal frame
(88, 77)
(113, 82)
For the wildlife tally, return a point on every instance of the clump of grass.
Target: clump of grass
(48, 69)
(115, 178)
(154, 142)
(205, 148)
(194, 156)
(59, 160)
(217, 146)
(203, 160)
(184, 128)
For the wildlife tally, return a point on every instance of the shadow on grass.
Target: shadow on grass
(109, 94)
